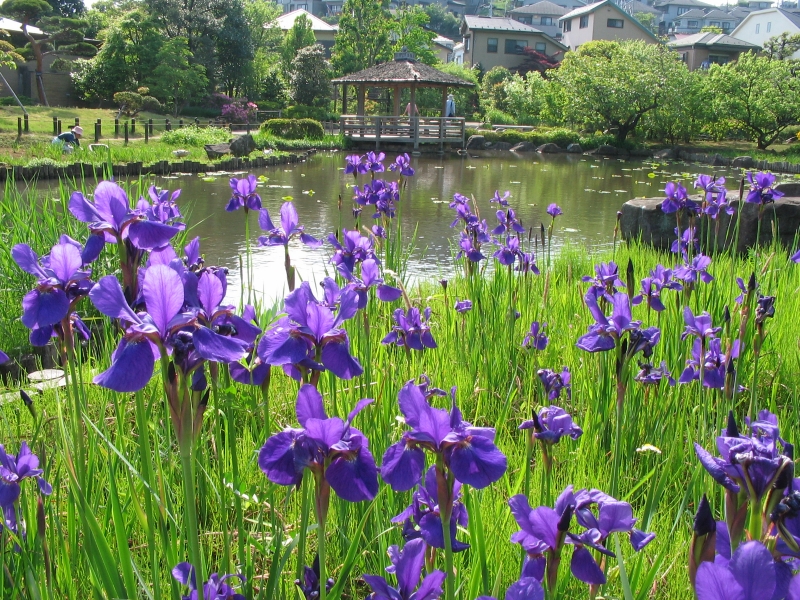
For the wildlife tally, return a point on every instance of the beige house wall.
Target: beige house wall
(479, 42)
(57, 86)
(696, 56)
(598, 29)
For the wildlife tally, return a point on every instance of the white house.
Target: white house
(760, 25)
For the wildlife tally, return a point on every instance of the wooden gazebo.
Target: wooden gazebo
(403, 72)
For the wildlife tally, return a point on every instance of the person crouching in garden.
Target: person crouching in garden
(69, 140)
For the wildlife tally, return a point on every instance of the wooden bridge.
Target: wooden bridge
(404, 130)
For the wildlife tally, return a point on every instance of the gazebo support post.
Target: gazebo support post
(442, 128)
(344, 98)
(396, 100)
(362, 89)
(414, 117)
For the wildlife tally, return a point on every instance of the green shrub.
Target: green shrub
(498, 117)
(151, 104)
(559, 135)
(195, 136)
(201, 112)
(309, 112)
(293, 129)
(43, 162)
(9, 101)
(792, 131)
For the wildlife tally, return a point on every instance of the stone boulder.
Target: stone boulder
(718, 161)
(524, 147)
(605, 150)
(501, 146)
(243, 145)
(575, 149)
(643, 218)
(217, 150)
(789, 189)
(666, 154)
(549, 149)
(476, 142)
(743, 162)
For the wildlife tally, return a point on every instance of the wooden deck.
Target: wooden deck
(404, 130)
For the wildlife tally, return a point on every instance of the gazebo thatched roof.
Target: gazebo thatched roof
(403, 70)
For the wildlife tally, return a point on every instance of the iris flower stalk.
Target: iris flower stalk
(765, 309)
(553, 210)
(244, 195)
(289, 229)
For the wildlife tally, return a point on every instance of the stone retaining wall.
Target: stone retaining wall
(163, 167)
(758, 165)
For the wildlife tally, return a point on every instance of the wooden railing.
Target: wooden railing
(415, 130)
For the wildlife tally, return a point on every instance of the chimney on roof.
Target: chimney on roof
(404, 54)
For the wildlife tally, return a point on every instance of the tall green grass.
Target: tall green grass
(114, 522)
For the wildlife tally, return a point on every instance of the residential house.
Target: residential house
(696, 19)
(602, 21)
(324, 32)
(701, 50)
(493, 41)
(568, 4)
(543, 15)
(671, 10)
(761, 25)
(316, 7)
(458, 53)
(759, 4)
(443, 47)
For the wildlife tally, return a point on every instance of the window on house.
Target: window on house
(526, 20)
(567, 25)
(714, 23)
(615, 23)
(758, 27)
(541, 47)
(515, 46)
(692, 25)
(682, 10)
(466, 44)
(725, 26)
(547, 21)
(769, 27)
(584, 22)
(491, 45)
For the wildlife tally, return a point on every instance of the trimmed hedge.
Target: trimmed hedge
(560, 136)
(293, 129)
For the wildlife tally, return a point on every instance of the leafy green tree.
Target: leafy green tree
(68, 8)
(649, 20)
(363, 38)
(783, 46)
(527, 97)
(711, 29)
(299, 36)
(310, 77)
(407, 30)
(175, 80)
(612, 86)
(267, 41)
(234, 51)
(759, 95)
(682, 116)
(493, 94)
(98, 79)
(442, 21)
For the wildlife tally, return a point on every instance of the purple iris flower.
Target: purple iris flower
(463, 306)
(554, 210)
(685, 240)
(257, 371)
(422, 518)
(374, 161)
(3, 358)
(160, 331)
(761, 188)
(244, 194)
(751, 464)
(525, 588)
(752, 573)
(216, 588)
(412, 329)
(353, 250)
(330, 448)
(715, 364)
(715, 195)
(551, 424)
(403, 164)
(765, 308)
(370, 277)
(678, 199)
(527, 263)
(407, 565)
(469, 249)
(311, 336)
(355, 164)
(699, 326)
(309, 585)
(507, 253)
(709, 185)
(468, 452)
(695, 271)
(795, 257)
(62, 281)
(289, 229)
(508, 222)
(606, 333)
(14, 470)
(555, 382)
(650, 375)
(606, 280)
(535, 338)
(501, 200)
(658, 280)
(162, 206)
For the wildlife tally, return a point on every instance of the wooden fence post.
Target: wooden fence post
(58, 127)
(25, 119)
(126, 133)
(19, 127)
(116, 128)
(133, 126)
(97, 131)
(55, 126)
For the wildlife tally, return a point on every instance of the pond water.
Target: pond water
(589, 190)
